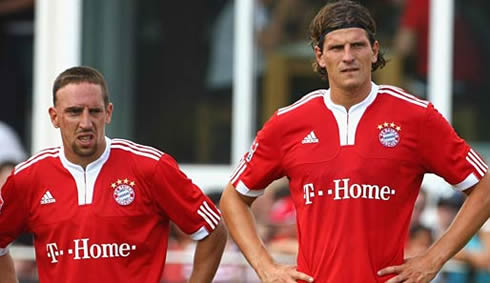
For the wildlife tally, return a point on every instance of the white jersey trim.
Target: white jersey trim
(200, 234)
(50, 152)
(475, 165)
(477, 162)
(486, 226)
(238, 171)
(478, 158)
(237, 168)
(86, 178)
(125, 148)
(208, 215)
(142, 148)
(468, 182)
(347, 121)
(303, 100)
(137, 149)
(401, 94)
(241, 188)
(404, 92)
(4, 251)
(210, 211)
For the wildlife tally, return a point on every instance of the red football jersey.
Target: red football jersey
(108, 223)
(354, 176)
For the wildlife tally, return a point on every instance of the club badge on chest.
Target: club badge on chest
(123, 191)
(389, 134)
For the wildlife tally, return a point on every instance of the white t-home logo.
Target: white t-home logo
(83, 250)
(343, 190)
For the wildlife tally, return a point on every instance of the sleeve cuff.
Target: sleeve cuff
(469, 182)
(200, 234)
(242, 189)
(486, 226)
(4, 251)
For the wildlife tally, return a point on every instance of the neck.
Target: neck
(84, 160)
(348, 97)
(81, 161)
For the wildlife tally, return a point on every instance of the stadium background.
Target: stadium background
(197, 79)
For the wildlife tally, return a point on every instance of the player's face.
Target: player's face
(347, 55)
(81, 115)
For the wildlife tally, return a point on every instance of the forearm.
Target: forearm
(474, 212)
(208, 255)
(7, 271)
(478, 259)
(241, 225)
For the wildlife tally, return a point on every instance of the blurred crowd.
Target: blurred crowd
(430, 220)
(276, 220)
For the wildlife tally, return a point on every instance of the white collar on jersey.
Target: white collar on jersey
(85, 179)
(98, 162)
(347, 121)
(363, 104)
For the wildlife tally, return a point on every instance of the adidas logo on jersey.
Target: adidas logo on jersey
(47, 198)
(310, 138)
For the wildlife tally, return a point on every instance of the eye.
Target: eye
(95, 111)
(358, 44)
(74, 111)
(336, 47)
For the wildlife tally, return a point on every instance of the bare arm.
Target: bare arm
(474, 212)
(478, 259)
(7, 271)
(208, 255)
(241, 224)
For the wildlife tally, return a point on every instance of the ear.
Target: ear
(375, 49)
(108, 114)
(318, 56)
(53, 114)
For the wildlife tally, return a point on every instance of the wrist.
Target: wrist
(436, 259)
(264, 267)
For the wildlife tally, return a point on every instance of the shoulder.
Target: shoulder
(294, 117)
(304, 104)
(39, 159)
(134, 150)
(398, 97)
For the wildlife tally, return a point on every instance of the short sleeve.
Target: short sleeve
(182, 201)
(446, 154)
(13, 213)
(262, 163)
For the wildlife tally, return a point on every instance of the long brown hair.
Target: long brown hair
(342, 14)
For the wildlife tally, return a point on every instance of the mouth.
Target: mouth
(349, 70)
(86, 139)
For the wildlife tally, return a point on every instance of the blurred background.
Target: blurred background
(198, 79)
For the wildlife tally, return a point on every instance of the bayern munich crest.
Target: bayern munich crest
(123, 192)
(389, 134)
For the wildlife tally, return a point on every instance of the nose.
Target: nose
(348, 57)
(85, 122)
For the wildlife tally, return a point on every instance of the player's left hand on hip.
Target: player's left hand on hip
(415, 270)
